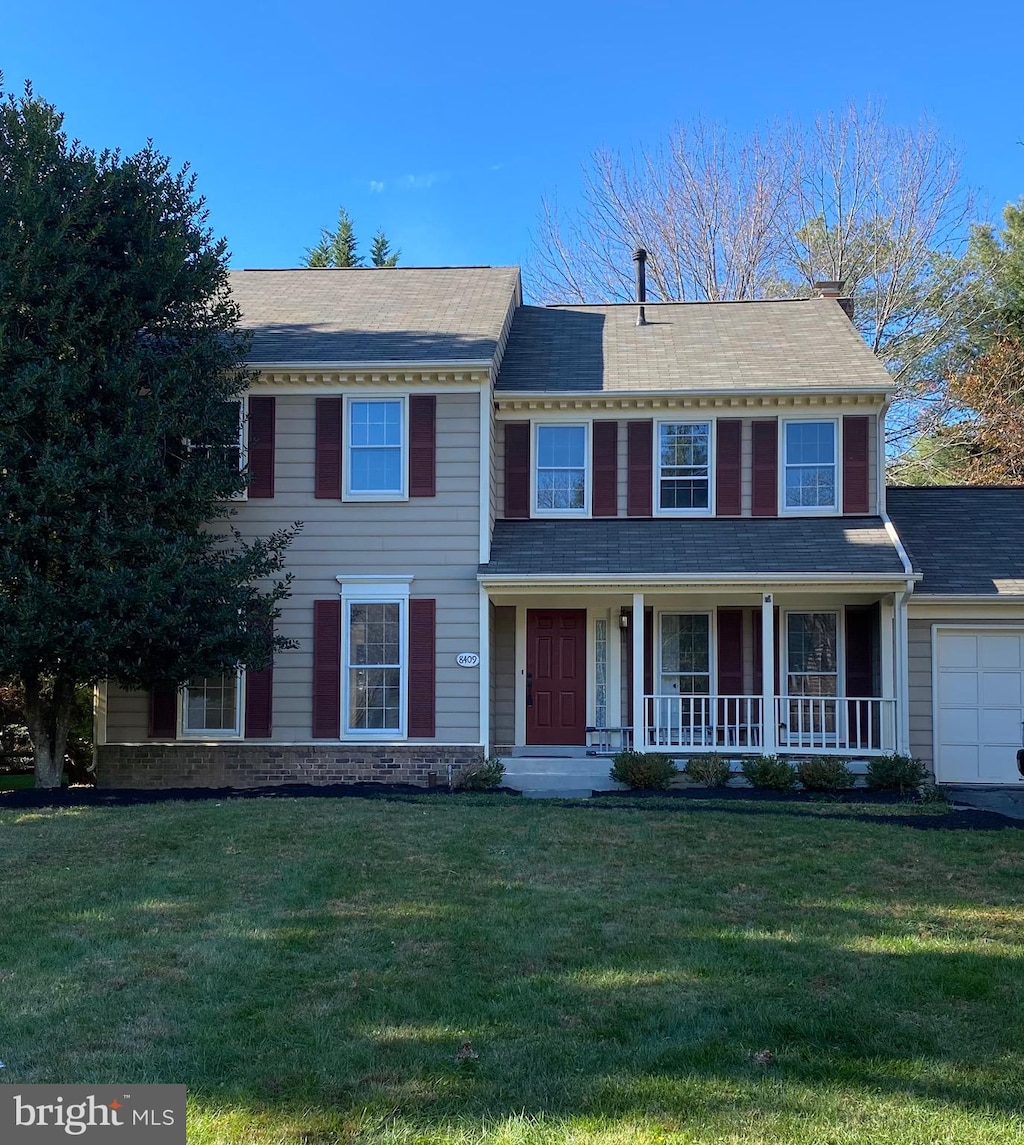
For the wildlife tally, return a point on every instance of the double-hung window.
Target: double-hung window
(211, 705)
(810, 465)
(684, 466)
(561, 471)
(375, 468)
(374, 665)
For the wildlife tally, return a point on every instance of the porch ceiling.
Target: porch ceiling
(713, 550)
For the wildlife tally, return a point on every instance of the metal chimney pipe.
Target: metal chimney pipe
(640, 258)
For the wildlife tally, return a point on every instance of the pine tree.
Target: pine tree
(380, 251)
(336, 248)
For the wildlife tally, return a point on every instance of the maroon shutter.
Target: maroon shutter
(606, 468)
(855, 464)
(640, 468)
(730, 651)
(259, 703)
(260, 450)
(423, 445)
(163, 713)
(422, 667)
(728, 467)
(326, 669)
(765, 474)
(517, 469)
(648, 651)
(328, 448)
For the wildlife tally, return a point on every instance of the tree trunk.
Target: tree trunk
(48, 714)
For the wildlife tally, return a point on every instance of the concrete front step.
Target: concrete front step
(557, 776)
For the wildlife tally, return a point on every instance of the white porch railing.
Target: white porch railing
(703, 721)
(803, 724)
(835, 723)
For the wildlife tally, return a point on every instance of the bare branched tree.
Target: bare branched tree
(849, 197)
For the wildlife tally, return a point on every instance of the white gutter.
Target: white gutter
(575, 579)
(908, 566)
(968, 598)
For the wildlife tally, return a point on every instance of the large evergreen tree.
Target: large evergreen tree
(120, 373)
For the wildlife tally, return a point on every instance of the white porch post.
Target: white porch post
(639, 716)
(769, 742)
(485, 670)
(887, 650)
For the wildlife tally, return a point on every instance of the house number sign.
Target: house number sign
(467, 660)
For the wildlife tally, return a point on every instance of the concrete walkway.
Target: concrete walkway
(1008, 801)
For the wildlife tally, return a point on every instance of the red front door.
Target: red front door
(556, 677)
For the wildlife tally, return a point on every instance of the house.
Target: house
(588, 527)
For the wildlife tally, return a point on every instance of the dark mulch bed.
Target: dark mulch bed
(696, 799)
(758, 795)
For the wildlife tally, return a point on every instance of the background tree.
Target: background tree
(381, 253)
(337, 248)
(848, 197)
(120, 358)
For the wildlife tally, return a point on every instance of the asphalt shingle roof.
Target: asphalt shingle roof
(699, 346)
(693, 548)
(421, 315)
(965, 540)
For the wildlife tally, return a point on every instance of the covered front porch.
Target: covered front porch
(773, 668)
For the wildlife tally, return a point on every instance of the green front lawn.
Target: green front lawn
(311, 968)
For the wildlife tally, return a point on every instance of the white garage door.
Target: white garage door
(979, 705)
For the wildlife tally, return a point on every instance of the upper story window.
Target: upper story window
(684, 465)
(561, 472)
(810, 465)
(211, 705)
(376, 448)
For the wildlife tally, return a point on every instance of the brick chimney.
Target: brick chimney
(834, 290)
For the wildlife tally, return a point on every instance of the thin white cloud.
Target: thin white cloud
(376, 185)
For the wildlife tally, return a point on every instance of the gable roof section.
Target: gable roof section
(966, 540)
(402, 315)
(743, 346)
(690, 549)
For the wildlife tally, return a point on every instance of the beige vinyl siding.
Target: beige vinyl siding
(435, 540)
(503, 674)
(127, 715)
(873, 504)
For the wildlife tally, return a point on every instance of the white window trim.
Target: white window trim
(588, 465)
(712, 434)
(362, 589)
(839, 612)
(711, 614)
(243, 444)
(214, 733)
(833, 510)
(347, 493)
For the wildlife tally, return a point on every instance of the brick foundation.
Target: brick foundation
(258, 765)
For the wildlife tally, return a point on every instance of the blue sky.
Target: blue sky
(445, 123)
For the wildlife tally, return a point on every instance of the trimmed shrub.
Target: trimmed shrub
(643, 770)
(770, 773)
(824, 773)
(708, 768)
(896, 772)
(482, 776)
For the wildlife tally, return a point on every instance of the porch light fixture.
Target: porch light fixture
(623, 618)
